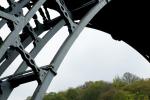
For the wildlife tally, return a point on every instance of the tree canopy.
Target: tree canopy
(127, 87)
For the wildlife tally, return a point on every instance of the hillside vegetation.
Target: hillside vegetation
(127, 87)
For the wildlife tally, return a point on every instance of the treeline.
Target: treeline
(127, 87)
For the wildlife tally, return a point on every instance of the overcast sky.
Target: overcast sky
(94, 56)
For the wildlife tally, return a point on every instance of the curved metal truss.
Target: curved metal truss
(22, 34)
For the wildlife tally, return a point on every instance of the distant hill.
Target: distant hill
(127, 87)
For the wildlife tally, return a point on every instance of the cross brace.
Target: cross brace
(22, 34)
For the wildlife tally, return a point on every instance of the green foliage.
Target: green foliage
(127, 87)
(130, 78)
(88, 91)
(126, 79)
(140, 88)
(72, 94)
(93, 90)
(54, 96)
(114, 94)
(118, 82)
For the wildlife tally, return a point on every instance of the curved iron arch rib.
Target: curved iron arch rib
(124, 20)
(16, 43)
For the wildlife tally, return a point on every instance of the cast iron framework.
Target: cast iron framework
(22, 34)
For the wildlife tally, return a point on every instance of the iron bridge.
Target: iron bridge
(125, 20)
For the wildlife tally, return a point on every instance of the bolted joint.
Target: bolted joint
(41, 76)
(50, 68)
(66, 15)
(36, 41)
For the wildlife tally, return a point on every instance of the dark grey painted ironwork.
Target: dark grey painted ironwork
(16, 43)
(22, 34)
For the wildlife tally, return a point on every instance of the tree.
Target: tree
(54, 96)
(127, 78)
(130, 78)
(114, 94)
(118, 82)
(94, 89)
(72, 94)
(127, 87)
(141, 88)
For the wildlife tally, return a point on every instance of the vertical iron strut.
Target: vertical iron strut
(22, 34)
